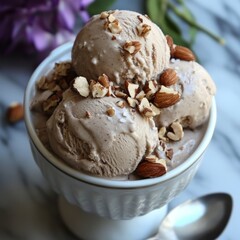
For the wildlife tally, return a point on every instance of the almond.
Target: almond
(150, 88)
(131, 88)
(168, 77)
(110, 112)
(166, 97)
(132, 47)
(98, 90)
(143, 29)
(81, 85)
(15, 112)
(150, 169)
(170, 44)
(177, 133)
(183, 53)
(104, 80)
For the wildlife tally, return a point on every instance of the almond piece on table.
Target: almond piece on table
(150, 169)
(15, 112)
(168, 77)
(183, 53)
(166, 97)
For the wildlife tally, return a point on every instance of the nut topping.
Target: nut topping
(132, 102)
(132, 47)
(98, 90)
(170, 44)
(51, 103)
(121, 104)
(151, 169)
(143, 29)
(131, 88)
(166, 97)
(177, 133)
(183, 53)
(115, 27)
(104, 15)
(168, 77)
(104, 80)
(81, 85)
(110, 112)
(15, 112)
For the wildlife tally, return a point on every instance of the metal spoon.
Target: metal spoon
(201, 218)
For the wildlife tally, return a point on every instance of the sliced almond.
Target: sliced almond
(132, 47)
(150, 169)
(168, 77)
(183, 53)
(15, 112)
(162, 134)
(81, 85)
(166, 97)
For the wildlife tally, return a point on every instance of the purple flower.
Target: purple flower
(39, 25)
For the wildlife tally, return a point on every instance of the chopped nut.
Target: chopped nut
(144, 103)
(151, 158)
(166, 97)
(150, 88)
(140, 95)
(120, 94)
(131, 88)
(15, 112)
(140, 18)
(63, 84)
(81, 85)
(98, 90)
(110, 112)
(161, 133)
(143, 29)
(169, 153)
(121, 104)
(132, 102)
(115, 27)
(104, 15)
(114, 38)
(177, 133)
(104, 80)
(88, 114)
(156, 111)
(111, 18)
(51, 103)
(132, 47)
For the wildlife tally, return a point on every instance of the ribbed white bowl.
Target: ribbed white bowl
(108, 198)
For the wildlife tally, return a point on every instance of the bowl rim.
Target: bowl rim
(54, 56)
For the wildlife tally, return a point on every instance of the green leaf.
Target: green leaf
(99, 6)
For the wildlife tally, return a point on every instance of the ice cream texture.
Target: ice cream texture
(129, 103)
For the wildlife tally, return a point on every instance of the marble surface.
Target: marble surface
(28, 207)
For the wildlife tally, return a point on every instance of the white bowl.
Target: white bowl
(118, 200)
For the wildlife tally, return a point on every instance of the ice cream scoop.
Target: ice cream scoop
(197, 89)
(122, 44)
(98, 136)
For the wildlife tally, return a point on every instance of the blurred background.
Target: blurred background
(29, 30)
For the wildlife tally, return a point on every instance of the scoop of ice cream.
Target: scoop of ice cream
(197, 90)
(122, 44)
(98, 136)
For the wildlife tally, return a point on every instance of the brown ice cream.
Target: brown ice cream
(122, 105)
(98, 136)
(101, 47)
(197, 90)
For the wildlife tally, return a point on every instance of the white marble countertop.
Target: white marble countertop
(28, 207)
